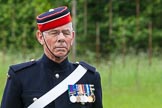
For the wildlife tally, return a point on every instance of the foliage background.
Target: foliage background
(129, 25)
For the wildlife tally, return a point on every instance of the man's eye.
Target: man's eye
(66, 32)
(54, 33)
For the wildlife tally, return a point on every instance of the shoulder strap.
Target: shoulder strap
(21, 66)
(87, 66)
(55, 92)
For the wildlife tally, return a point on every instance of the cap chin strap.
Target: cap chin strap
(52, 52)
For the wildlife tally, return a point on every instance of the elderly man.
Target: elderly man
(53, 81)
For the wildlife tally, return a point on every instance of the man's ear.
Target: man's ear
(39, 37)
(73, 37)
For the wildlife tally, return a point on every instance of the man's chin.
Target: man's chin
(61, 55)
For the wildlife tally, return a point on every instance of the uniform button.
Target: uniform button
(57, 76)
(32, 60)
(34, 99)
(51, 10)
(8, 76)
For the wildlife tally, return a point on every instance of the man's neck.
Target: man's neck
(56, 59)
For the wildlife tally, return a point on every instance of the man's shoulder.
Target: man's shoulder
(24, 65)
(87, 66)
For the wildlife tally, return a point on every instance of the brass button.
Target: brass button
(57, 76)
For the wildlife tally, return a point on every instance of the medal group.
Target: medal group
(82, 93)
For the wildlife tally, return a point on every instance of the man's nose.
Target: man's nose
(61, 37)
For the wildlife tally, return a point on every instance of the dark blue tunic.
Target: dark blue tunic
(33, 79)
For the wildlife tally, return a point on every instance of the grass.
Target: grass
(133, 84)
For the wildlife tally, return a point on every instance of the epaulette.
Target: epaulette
(87, 66)
(21, 66)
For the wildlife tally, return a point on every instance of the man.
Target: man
(53, 81)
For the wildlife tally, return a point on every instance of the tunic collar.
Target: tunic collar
(55, 66)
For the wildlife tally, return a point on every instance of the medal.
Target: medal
(80, 89)
(82, 93)
(78, 99)
(87, 89)
(90, 99)
(72, 91)
(73, 99)
(85, 98)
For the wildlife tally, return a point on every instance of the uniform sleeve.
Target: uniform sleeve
(98, 92)
(12, 93)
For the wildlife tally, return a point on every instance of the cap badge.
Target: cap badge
(50, 10)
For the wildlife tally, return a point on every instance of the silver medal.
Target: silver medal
(73, 99)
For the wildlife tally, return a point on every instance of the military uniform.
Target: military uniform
(29, 81)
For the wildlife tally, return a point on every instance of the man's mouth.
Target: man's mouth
(60, 48)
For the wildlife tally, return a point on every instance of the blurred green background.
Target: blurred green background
(122, 38)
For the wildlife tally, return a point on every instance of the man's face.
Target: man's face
(58, 40)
